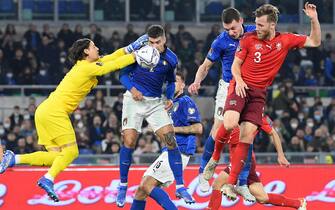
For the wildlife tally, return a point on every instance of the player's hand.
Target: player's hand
(241, 88)
(310, 10)
(140, 42)
(137, 95)
(168, 104)
(283, 161)
(193, 88)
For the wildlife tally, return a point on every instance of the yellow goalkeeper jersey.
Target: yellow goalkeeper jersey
(80, 80)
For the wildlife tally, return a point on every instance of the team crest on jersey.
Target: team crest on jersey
(191, 110)
(258, 46)
(279, 46)
(164, 62)
(175, 106)
(99, 63)
(125, 121)
(232, 102)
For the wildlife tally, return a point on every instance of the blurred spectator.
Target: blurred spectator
(32, 37)
(66, 35)
(78, 32)
(130, 36)
(96, 37)
(16, 118)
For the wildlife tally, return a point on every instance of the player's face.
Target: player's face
(92, 52)
(158, 43)
(234, 28)
(180, 85)
(263, 27)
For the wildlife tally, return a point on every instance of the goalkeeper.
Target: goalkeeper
(143, 100)
(52, 120)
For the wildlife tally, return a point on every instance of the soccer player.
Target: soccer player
(142, 100)
(256, 64)
(53, 125)
(223, 48)
(242, 187)
(186, 121)
(255, 186)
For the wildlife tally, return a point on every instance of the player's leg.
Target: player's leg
(207, 154)
(131, 125)
(240, 157)
(40, 158)
(230, 121)
(242, 185)
(251, 118)
(220, 100)
(258, 191)
(149, 187)
(167, 136)
(162, 125)
(216, 197)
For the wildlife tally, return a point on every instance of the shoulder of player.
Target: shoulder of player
(249, 35)
(171, 57)
(188, 101)
(249, 28)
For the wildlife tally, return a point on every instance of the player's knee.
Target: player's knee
(170, 140)
(144, 190)
(71, 151)
(263, 199)
(129, 139)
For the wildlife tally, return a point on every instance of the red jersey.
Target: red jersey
(266, 127)
(263, 58)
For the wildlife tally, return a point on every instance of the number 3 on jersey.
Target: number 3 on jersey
(257, 58)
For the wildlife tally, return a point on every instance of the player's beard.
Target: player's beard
(264, 35)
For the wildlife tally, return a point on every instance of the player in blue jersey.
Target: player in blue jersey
(222, 49)
(186, 121)
(142, 100)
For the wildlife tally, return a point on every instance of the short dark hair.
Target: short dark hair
(155, 31)
(271, 11)
(230, 14)
(181, 75)
(76, 51)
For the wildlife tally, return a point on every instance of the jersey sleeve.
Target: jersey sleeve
(192, 112)
(171, 74)
(242, 49)
(118, 53)
(267, 124)
(215, 51)
(295, 40)
(100, 68)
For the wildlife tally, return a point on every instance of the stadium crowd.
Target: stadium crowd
(40, 57)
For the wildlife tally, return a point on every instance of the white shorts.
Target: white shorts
(220, 99)
(161, 171)
(151, 109)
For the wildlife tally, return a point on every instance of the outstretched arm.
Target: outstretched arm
(277, 143)
(200, 76)
(314, 39)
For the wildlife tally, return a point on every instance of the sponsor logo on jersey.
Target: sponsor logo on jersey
(279, 46)
(99, 63)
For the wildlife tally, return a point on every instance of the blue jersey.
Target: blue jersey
(150, 81)
(184, 113)
(223, 48)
